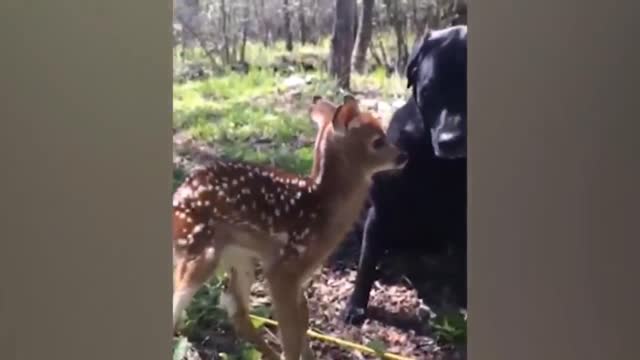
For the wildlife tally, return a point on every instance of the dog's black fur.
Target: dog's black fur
(437, 74)
(424, 207)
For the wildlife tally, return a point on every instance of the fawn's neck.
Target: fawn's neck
(342, 188)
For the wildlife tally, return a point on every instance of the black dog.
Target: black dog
(424, 207)
(437, 73)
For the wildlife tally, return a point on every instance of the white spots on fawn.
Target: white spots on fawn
(244, 195)
(300, 248)
(182, 193)
(198, 228)
(209, 252)
(281, 237)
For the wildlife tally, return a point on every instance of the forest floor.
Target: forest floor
(261, 116)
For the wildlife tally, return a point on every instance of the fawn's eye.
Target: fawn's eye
(378, 143)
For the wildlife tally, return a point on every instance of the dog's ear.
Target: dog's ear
(414, 59)
(422, 48)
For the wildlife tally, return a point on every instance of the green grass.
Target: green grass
(248, 117)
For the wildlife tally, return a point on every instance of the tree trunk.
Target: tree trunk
(398, 21)
(461, 13)
(363, 39)
(245, 30)
(265, 24)
(287, 25)
(225, 35)
(189, 13)
(302, 22)
(356, 20)
(342, 42)
(313, 19)
(419, 21)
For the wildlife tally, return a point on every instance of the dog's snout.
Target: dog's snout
(447, 137)
(450, 144)
(402, 159)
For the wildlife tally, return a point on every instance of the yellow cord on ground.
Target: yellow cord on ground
(337, 341)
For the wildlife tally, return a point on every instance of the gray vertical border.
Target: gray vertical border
(84, 254)
(86, 180)
(553, 180)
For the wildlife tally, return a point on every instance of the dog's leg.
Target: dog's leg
(370, 253)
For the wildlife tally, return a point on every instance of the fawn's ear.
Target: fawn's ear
(321, 111)
(346, 115)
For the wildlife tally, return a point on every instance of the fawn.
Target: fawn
(232, 215)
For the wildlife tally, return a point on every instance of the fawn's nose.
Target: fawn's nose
(401, 159)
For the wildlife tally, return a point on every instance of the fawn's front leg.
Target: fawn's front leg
(303, 309)
(291, 311)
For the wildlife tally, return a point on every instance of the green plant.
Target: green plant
(450, 329)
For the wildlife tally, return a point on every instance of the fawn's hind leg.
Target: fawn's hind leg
(189, 274)
(236, 298)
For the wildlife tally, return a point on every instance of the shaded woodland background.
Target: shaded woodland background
(244, 74)
(223, 28)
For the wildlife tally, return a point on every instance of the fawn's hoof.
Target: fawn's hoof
(354, 315)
